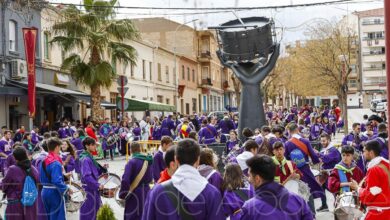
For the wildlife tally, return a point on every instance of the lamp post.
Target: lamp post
(174, 50)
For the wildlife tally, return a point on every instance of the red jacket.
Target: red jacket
(279, 174)
(334, 179)
(91, 133)
(376, 177)
(164, 176)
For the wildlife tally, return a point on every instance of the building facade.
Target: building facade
(372, 54)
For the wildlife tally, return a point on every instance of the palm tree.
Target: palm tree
(98, 39)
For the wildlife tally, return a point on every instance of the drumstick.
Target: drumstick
(110, 177)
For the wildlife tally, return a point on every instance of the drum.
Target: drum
(231, 157)
(76, 199)
(322, 177)
(110, 183)
(112, 139)
(129, 137)
(348, 205)
(298, 187)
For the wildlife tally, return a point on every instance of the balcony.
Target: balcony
(225, 85)
(373, 68)
(204, 56)
(374, 38)
(373, 22)
(206, 82)
(377, 52)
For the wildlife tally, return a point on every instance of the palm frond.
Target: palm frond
(70, 28)
(104, 74)
(122, 29)
(123, 53)
(68, 43)
(104, 9)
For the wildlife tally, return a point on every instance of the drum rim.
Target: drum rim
(247, 19)
(79, 204)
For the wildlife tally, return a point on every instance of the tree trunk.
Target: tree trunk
(95, 103)
(236, 85)
(96, 112)
(343, 96)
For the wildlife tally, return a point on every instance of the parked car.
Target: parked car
(374, 102)
(381, 107)
(219, 114)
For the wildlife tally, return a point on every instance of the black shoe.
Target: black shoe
(323, 208)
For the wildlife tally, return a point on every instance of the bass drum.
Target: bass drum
(348, 206)
(76, 199)
(298, 187)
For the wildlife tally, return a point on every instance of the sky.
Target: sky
(292, 20)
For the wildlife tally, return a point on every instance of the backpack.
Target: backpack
(298, 157)
(30, 192)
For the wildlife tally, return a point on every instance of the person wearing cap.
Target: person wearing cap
(382, 139)
(375, 121)
(285, 169)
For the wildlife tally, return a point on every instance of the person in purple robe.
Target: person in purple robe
(235, 191)
(63, 131)
(68, 156)
(316, 129)
(375, 121)
(382, 140)
(77, 141)
(328, 127)
(276, 135)
(167, 126)
(364, 122)
(105, 132)
(6, 144)
(207, 134)
(135, 199)
(356, 140)
(90, 172)
(187, 188)
(37, 162)
(225, 125)
(136, 132)
(52, 178)
(299, 150)
(329, 155)
(233, 142)
(35, 135)
(271, 199)
(12, 187)
(123, 131)
(207, 167)
(158, 158)
(156, 132)
(19, 134)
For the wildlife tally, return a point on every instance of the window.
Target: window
(160, 99)
(46, 49)
(187, 108)
(159, 71)
(182, 72)
(193, 75)
(188, 74)
(150, 71)
(12, 35)
(168, 101)
(167, 74)
(205, 72)
(143, 70)
(132, 70)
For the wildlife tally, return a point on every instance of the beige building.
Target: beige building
(372, 56)
(188, 86)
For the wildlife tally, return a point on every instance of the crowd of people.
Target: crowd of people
(296, 145)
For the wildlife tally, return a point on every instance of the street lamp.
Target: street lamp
(174, 49)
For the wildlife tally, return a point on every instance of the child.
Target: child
(207, 168)
(68, 156)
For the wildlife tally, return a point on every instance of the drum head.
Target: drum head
(292, 186)
(77, 198)
(110, 184)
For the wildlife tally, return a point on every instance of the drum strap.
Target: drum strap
(290, 167)
(139, 177)
(343, 179)
(302, 146)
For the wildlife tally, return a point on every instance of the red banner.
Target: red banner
(30, 40)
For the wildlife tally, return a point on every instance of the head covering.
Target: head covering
(258, 140)
(375, 118)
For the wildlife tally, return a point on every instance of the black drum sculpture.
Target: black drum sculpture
(248, 46)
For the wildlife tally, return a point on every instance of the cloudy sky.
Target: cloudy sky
(292, 20)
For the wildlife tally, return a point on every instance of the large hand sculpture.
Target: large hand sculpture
(251, 75)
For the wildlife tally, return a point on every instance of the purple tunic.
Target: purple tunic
(105, 131)
(62, 133)
(137, 133)
(158, 165)
(207, 206)
(329, 129)
(6, 148)
(207, 135)
(78, 144)
(9, 162)
(135, 202)
(232, 202)
(385, 150)
(231, 144)
(156, 133)
(71, 164)
(12, 186)
(273, 200)
(166, 126)
(212, 176)
(89, 178)
(34, 138)
(315, 131)
(41, 208)
(308, 177)
(330, 158)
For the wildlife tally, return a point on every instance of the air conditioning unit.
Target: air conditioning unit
(18, 69)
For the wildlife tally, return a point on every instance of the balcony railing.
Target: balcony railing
(372, 22)
(374, 38)
(374, 68)
(378, 52)
(206, 81)
(205, 54)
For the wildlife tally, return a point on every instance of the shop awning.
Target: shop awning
(136, 105)
(103, 103)
(55, 89)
